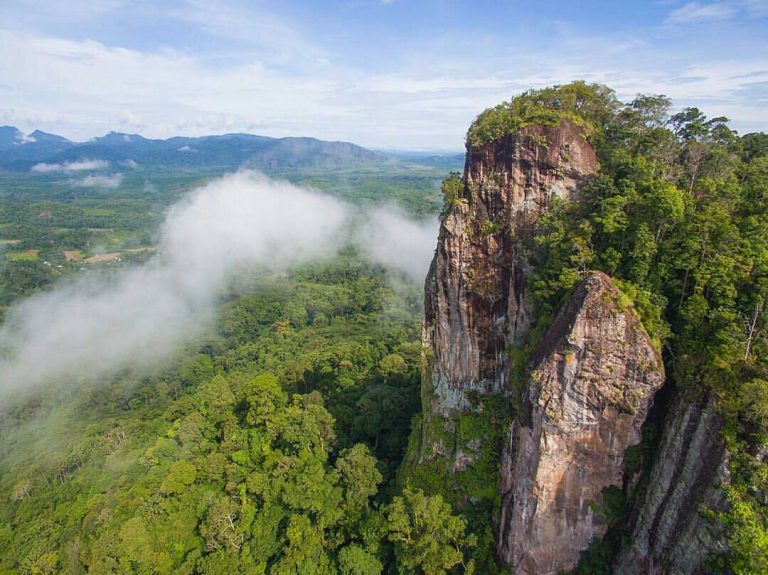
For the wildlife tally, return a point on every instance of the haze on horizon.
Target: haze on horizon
(380, 73)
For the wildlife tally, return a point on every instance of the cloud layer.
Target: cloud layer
(111, 182)
(390, 238)
(89, 328)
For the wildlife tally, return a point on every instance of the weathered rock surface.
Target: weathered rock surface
(476, 306)
(591, 384)
(669, 532)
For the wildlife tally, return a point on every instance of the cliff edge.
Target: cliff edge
(530, 429)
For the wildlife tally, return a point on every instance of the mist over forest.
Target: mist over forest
(93, 326)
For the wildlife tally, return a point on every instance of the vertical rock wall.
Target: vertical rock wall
(476, 306)
(589, 387)
(591, 384)
(668, 532)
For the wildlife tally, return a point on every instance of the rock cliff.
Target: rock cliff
(668, 533)
(544, 463)
(476, 305)
(591, 383)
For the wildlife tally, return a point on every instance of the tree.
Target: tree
(360, 479)
(182, 474)
(304, 553)
(220, 527)
(426, 535)
(354, 560)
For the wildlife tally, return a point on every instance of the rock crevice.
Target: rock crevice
(669, 533)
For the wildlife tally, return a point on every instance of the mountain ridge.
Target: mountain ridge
(21, 151)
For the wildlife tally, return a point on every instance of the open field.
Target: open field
(25, 256)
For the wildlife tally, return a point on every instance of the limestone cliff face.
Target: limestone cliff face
(476, 306)
(668, 533)
(591, 384)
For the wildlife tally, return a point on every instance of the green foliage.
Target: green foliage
(612, 506)
(452, 189)
(354, 560)
(587, 105)
(474, 439)
(596, 560)
(182, 474)
(754, 404)
(748, 534)
(649, 308)
(268, 448)
(275, 482)
(427, 536)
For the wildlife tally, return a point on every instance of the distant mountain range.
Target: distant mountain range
(45, 152)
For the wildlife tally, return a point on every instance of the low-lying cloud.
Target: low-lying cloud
(111, 182)
(77, 166)
(88, 328)
(391, 238)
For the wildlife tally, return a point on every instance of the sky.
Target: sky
(386, 74)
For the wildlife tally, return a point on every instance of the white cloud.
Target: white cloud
(756, 8)
(25, 138)
(45, 11)
(389, 237)
(111, 182)
(695, 13)
(132, 120)
(277, 41)
(92, 328)
(76, 166)
(168, 90)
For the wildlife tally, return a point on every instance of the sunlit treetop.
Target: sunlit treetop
(587, 105)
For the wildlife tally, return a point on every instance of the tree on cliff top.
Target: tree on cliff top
(588, 105)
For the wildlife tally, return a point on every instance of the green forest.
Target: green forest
(272, 446)
(275, 443)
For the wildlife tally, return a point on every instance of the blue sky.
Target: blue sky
(406, 74)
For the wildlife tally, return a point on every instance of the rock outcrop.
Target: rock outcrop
(476, 305)
(591, 384)
(669, 532)
(553, 449)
